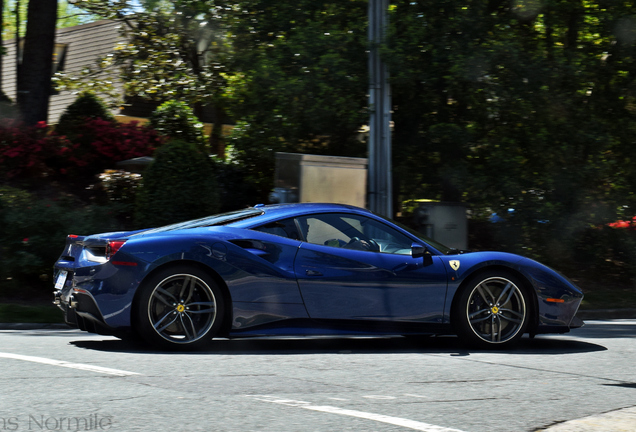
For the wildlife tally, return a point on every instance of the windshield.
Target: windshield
(215, 220)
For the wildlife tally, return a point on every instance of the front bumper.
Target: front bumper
(576, 323)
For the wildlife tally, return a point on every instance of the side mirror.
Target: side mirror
(417, 250)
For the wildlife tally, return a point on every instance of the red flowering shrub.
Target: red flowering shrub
(111, 142)
(28, 151)
(625, 224)
(37, 151)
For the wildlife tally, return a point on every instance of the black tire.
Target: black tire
(492, 311)
(179, 308)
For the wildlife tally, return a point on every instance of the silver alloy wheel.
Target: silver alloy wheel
(182, 308)
(496, 310)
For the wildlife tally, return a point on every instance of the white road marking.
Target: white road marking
(411, 424)
(65, 364)
(381, 397)
(416, 396)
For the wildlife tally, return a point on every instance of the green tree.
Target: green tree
(525, 105)
(170, 52)
(175, 119)
(68, 15)
(179, 185)
(296, 81)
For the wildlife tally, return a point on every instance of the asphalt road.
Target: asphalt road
(67, 380)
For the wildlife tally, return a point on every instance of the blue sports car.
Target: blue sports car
(303, 269)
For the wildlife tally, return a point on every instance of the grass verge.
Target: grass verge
(17, 313)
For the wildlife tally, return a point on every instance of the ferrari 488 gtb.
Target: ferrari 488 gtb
(303, 269)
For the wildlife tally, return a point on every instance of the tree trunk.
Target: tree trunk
(34, 78)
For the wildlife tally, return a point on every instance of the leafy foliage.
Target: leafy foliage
(33, 230)
(526, 105)
(32, 153)
(86, 106)
(110, 143)
(68, 16)
(170, 51)
(523, 105)
(296, 81)
(120, 188)
(29, 152)
(176, 120)
(98, 141)
(179, 185)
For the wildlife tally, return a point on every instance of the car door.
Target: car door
(358, 268)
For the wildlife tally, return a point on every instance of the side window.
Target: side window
(285, 228)
(322, 230)
(353, 232)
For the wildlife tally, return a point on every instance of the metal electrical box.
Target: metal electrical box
(445, 222)
(315, 178)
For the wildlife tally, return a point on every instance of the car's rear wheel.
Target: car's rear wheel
(492, 311)
(179, 308)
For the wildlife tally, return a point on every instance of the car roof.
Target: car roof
(280, 211)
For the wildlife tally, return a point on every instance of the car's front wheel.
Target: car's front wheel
(492, 311)
(179, 308)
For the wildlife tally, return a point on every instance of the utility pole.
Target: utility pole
(380, 199)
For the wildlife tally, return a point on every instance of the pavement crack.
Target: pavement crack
(530, 368)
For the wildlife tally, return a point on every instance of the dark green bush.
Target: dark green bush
(607, 253)
(119, 191)
(33, 233)
(179, 185)
(77, 125)
(176, 120)
(235, 192)
(86, 106)
(252, 151)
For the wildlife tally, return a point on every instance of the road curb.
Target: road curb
(603, 314)
(622, 420)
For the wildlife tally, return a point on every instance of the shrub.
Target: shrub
(120, 188)
(235, 192)
(77, 123)
(33, 233)
(180, 184)
(111, 142)
(28, 152)
(176, 120)
(607, 253)
(86, 106)
(254, 151)
(33, 152)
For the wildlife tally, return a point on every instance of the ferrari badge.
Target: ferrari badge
(454, 264)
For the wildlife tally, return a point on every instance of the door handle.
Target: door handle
(313, 273)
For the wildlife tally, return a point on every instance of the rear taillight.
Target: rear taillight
(113, 246)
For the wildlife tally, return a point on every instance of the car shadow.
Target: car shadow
(349, 345)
